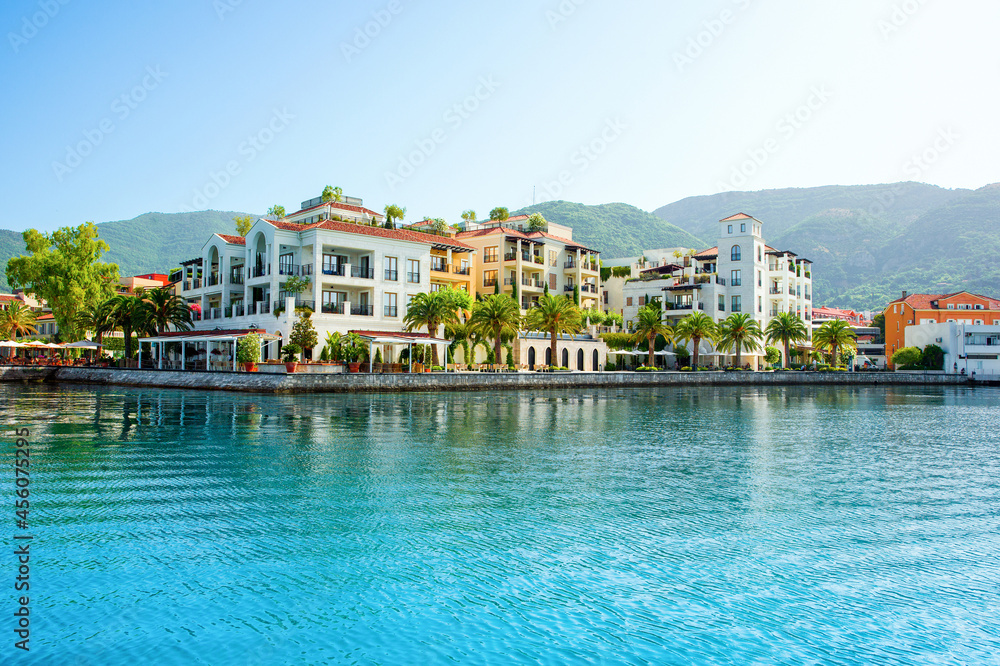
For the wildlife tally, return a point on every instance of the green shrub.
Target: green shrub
(646, 368)
(437, 368)
(248, 349)
(933, 357)
(908, 356)
(290, 352)
(686, 368)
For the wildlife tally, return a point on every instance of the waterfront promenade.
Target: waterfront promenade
(461, 381)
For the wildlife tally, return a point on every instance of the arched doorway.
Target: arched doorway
(565, 358)
(597, 361)
(531, 358)
(548, 356)
(579, 360)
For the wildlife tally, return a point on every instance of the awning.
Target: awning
(83, 344)
(389, 338)
(10, 343)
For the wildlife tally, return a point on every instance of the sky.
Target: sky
(116, 108)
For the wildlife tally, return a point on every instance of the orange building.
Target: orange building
(916, 309)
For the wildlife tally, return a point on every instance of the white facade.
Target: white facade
(967, 348)
(360, 277)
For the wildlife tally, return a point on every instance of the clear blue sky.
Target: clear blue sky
(673, 99)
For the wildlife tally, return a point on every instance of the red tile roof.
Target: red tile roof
(46, 317)
(923, 301)
(710, 252)
(8, 297)
(342, 206)
(738, 216)
(233, 240)
(363, 230)
(533, 235)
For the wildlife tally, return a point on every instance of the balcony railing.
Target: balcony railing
(808, 296)
(777, 290)
(263, 307)
(591, 266)
(490, 283)
(391, 311)
(196, 283)
(391, 276)
(288, 269)
(570, 264)
(333, 308)
(512, 256)
(413, 277)
(589, 288)
(213, 280)
(236, 310)
(439, 266)
(507, 282)
(362, 310)
(307, 269)
(463, 270)
(528, 282)
(568, 287)
(187, 285)
(720, 280)
(236, 276)
(334, 270)
(362, 272)
(195, 316)
(261, 271)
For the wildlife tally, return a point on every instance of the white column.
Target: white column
(517, 273)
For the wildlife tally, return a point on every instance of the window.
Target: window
(722, 303)
(605, 298)
(628, 301)
(737, 304)
(438, 264)
(759, 279)
(730, 228)
(413, 270)
(737, 277)
(391, 269)
(979, 322)
(743, 228)
(489, 278)
(979, 306)
(760, 257)
(553, 260)
(552, 281)
(760, 304)
(736, 254)
(642, 301)
(435, 287)
(490, 254)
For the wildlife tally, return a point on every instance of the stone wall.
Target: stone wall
(354, 383)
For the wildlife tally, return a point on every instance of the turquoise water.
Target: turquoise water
(715, 526)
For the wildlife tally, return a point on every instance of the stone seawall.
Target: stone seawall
(365, 383)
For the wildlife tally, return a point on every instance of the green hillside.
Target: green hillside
(614, 229)
(154, 242)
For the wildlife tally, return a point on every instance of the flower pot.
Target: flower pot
(250, 367)
(354, 367)
(290, 367)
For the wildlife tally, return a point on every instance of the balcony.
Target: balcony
(720, 280)
(307, 269)
(236, 276)
(776, 290)
(195, 315)
(362, 272)
(490, 283)
(512, 256)
(213, 280)
(568, 287)
(196, 283)
(362, 310)
(187, 285)
(589, 289)
(460, 270)
(591, 266)
(439, 266)
(333, 308)
(288, 269)
(391, 311)
(507, 282)
(236, 310)
(528, 282)
(263, 307)
(261, 271)
(338, 270)
(570, 264)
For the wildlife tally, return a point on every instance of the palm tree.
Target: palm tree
(739, 331)
(494, 317)
(131, 315)
(17, 319)
(431, 310)
(648, 325)
(97, 320)
(168, 309)
(554, 315)
(786, 328)
(835, 335)
(694, 328)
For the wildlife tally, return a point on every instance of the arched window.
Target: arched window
(548, 356)
(531, 358)
(565, 358)
(579, 360)
(597, 361)
(736, 254)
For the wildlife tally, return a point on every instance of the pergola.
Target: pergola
(396, 338)
(229, 337)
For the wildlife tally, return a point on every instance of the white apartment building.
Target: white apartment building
(361, 277)
(741, 274)
(967, 347)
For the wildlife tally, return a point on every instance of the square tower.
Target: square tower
(742, 262)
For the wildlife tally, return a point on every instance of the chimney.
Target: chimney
(904, 294)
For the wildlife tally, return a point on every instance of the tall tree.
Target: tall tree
(393, 213)
(17, 319)
(277, 211)
(439, 225)
(786, 328)
(499, 214)
(835, 335)
(303, 332)
(331, 193)
(243, 224)
(648, 325)
(469, 215)
(536, 222)
(739, 331)
(495, 316)
(65, 270)
(554, 315)
(431, 310)
(131, 315)
(96, 319)
(168, 309)
(694, 328)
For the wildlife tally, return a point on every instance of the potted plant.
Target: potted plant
(248, 352)
(290, 354)
(353, 350)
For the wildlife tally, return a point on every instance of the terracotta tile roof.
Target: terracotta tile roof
(8, 297)
(710, 252)
(342, 206)
(45, 317)
(363, 230)
(492, 230)
(233, 240)
(544, 234)
(738, 216)
(924, 301)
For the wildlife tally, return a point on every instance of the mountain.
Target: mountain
(154, 242)
(614, 229)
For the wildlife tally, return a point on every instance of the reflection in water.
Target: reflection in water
(715, 525)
